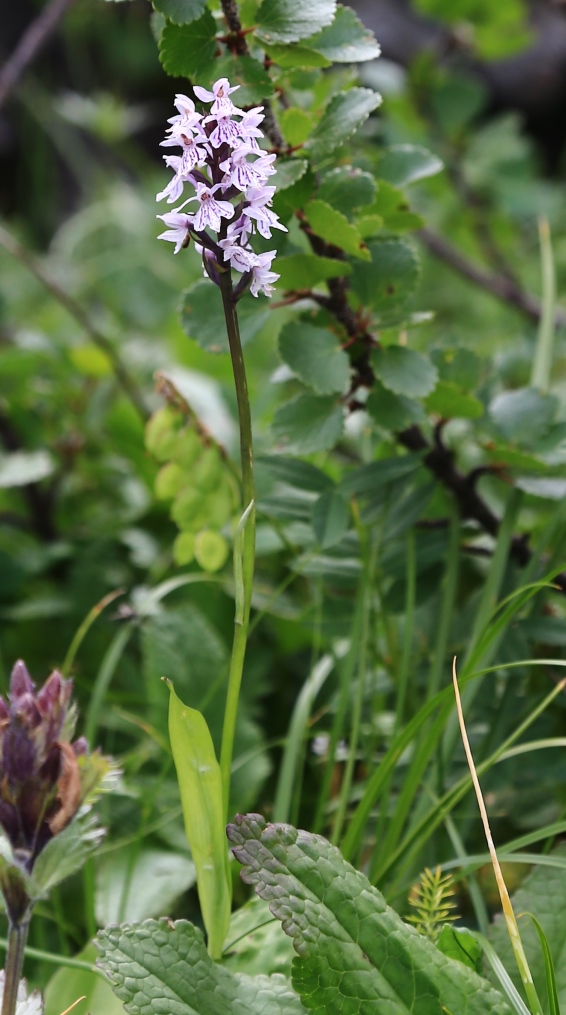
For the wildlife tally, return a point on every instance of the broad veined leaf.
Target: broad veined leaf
(308, 423)
(315, 356)
(404, 371)
(130, 889)
(160, 966)
(402, 164)
(200, 786)
(292, 20)
(389, 282)
(303, 271)
(202, 317)
(346, 39)
(296, 125)
(333, 226)
(354, 953)
(343, 115)
(180, 12)
(188, 50)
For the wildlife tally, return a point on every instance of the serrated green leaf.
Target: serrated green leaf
(180, 12)
(346, 39)
(390, 411)
(392, 206)
(450, 402)
(202, 317)
(404, 371)
(330, 518)
(344, 114)
(354, 953)
(315, 356)
(296, 125)
(296, 57)
(188, 50)
(333, 226)
(289, 171)
(459, 366)
(65, 853)
(523, 415)
(542, 893)
(200, 786)
(303, 271)
(160, 966)
(346, 189)
(389, 282)
(308, 423)
(292, 20)
(402, 164)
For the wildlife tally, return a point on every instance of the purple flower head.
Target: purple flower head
(222, 105)
(221, 161)
(178, 233)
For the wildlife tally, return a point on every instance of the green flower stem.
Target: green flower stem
(244, 555)
(17, 937)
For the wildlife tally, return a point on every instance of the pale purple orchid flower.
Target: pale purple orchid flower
(211, 211)
(179, 228)
(259, 210)
(262, 276)
(222, 105)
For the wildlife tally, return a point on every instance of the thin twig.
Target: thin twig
(503, 288)
(33, 39)
(123, 377)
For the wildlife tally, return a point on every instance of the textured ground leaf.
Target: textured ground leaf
(315, 356)
(402, 164)
(302, 271)
(162, 968)
(292, 20)
(543, 893)
(404, 371)
(308, 423)
(355, 955)
(346, 40)
(188, 50)
(388, 283)
(341, 118)
(180, 12)
(333, 226)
